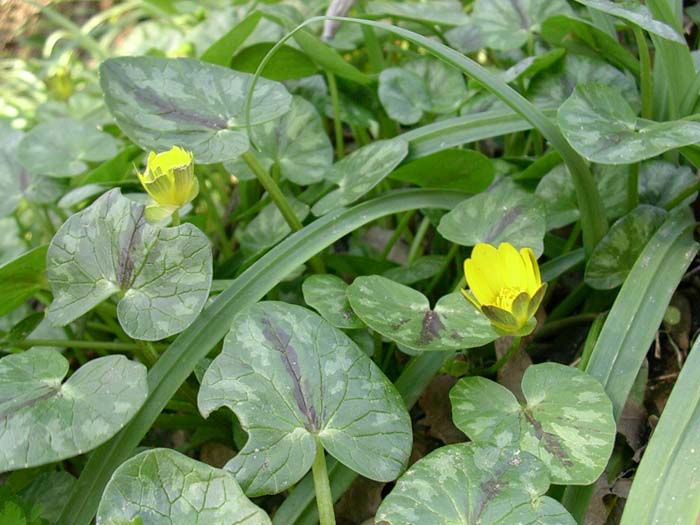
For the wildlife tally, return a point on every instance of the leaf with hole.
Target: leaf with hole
(614, 256)
(361, 171)
(162, 275)
(327, 295)
(471, 484)
(296, 144)
(404, 315)
(161, 102)
(43, 420)
(162, 487)
(296, 382)
(600, 124)
(567, 420)
(505, 213)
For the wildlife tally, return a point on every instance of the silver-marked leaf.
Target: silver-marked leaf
(613, 257)
(600, 124)
(508, 24)
(422, 85)
(661, 181)
(43, 420)
(12, 175)
(50, 491)
(164, 487)
(422, 268)
(361, 171)
(556, 190)
(295, 381)
(470, 484)
(442, 12)
(502, 214)
(161, 102)
(404, 315)
(21, 278)
(327, 295)
(296, 143)
(567, 421)
(162, 275)
(269, 227)
(638, 14)
(63, 147)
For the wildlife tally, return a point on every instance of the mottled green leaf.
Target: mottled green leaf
(567, 420)
(613, 257)
(12, 175)
(420, 269)
(638, 14)
(557, 192)
(404, 315)
(161, 102)
(460, 169)
(442, 12)
(508, 24)
(502, 214)
(269, 227)
(21, 278)
(421, 85)
(327, 295)
(470, 484)
(63, 147)
(661, 181)
(296, 143)
(600, 124)
(49, 491)
(43, 420)
(162, 275)
(164, 487)
(294, 380)
(361, 171)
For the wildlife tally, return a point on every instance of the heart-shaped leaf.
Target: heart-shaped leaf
(404, 315)
(327, 295)
(600, 124)
(296, 143)
(62, 147)
(441, 12)
(161, 102)
(661, 181)
(502, 214)
(269, 227)
(21, 278)
(508, 24)
(470, 484)
(50, 491)
(162, 275)
(164, 487)
(567, 421)
(615, 255)
(422, 85)
(295, 381)
(43, 420)
(361, 171)
(420, 269)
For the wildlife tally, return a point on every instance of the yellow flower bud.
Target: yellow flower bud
(505, 285)
(170, 181)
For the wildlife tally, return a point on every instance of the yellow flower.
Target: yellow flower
(170, 181)
(505, 285)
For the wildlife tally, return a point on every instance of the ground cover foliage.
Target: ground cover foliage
(371, 262)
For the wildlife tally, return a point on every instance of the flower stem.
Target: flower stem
(502, 361)
(337, 123)
(324, 498)
(176, 218)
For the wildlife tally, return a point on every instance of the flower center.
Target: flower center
(506, 296)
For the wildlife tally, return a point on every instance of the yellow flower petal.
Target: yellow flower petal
(533, 270)
(471, 299)
(515, 275)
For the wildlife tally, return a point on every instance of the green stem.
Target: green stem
(175, 219)
(374, 49)
(645, 73)
(633, 187)
(557, 326)
(337, 122)
(66, 343)
(416, 245)
(502, 361)
(451, 253)
(324, 498)
(400, 227)
(225, 244)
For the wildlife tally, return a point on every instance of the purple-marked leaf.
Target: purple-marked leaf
(567, 420)
(404, 315)
(162, 275)
(502, 214)
(161, 102)
(470, 484)
(164, 487)
(327, 295)
(293, 378)
(43, 420)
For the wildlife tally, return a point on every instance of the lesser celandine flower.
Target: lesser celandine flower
(505, 284)
(170, 181)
